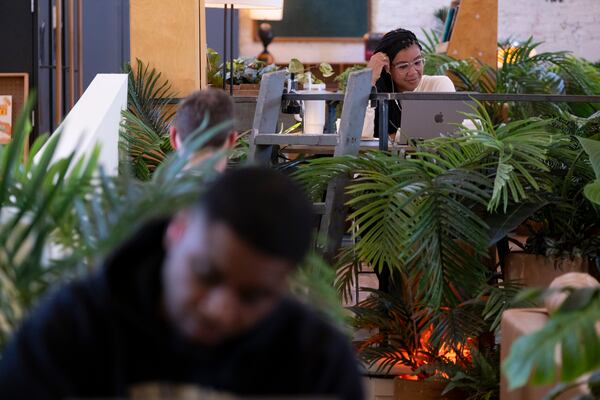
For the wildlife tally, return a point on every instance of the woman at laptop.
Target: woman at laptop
(397, 66)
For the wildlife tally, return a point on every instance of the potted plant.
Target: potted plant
(306, 77)
(570, 335)
(247, 73)
(314, 111)
(424, 218)
(564, 234)
(524, 69)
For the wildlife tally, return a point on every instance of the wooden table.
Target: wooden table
(365, 145)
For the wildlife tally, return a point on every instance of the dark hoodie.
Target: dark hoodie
(103, 337)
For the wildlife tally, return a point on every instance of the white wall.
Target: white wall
(572, 25)
(95, 120)
(315, 52)
(568, 25)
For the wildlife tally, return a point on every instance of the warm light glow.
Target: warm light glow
(511, 53)
(445, 352)
(267, 15)
(409, 377)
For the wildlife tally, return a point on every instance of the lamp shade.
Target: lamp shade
(256, 4)
(267, 14)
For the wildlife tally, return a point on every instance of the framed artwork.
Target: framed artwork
(5, 117)
(322, 20)
(14, 88)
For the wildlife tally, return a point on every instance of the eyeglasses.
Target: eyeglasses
(404, 67)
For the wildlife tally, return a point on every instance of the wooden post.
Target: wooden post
(475, 32)
(71, 52)
(58, 71)
(166, 35)
(79, 48)
(203, 46)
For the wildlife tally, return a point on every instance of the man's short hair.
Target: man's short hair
(210, 106)
(264, 208)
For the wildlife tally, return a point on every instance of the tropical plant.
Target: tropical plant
(144, 132)
(214, 71)
(302, 74)
(59, 219)
(426, 219)
(573, 327)
(522, 69)
(564, 349)
(478, 380)
(592, 189)
(440, 14)
(539, 171)
(567, 225)
(342, 79)
(411, 214)
(245, 70)
(36, 198)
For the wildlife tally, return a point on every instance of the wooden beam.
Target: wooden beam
(203, 46)
(475, 32)
(296, 139)
(58, 70)
(166, 35)
(71, 52)
(79, 48)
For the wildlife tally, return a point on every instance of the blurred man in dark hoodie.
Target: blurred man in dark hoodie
(194, 304)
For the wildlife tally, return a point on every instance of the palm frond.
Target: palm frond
(36, 199)
(144, 136)
(513, 154)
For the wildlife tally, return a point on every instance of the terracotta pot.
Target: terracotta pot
(245, 89)
(539, 271)
(423, 390)
(524, 228)
(377, 388)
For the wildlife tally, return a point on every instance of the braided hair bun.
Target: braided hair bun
(395, 41)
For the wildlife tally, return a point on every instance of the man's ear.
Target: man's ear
(176, 229)
(173, 137)
(231, 139)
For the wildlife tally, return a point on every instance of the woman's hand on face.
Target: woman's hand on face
(377, 63)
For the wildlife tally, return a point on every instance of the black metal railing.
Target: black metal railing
(381, 100)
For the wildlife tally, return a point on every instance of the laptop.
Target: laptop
(428, 119)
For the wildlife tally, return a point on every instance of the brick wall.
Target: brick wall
(563, 25)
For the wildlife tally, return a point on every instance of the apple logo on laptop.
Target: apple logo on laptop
(439, 118)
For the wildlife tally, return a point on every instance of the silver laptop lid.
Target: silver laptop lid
(428, 119)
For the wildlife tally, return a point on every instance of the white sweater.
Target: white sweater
(437, 83)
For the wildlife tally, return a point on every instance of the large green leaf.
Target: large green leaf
(502, 224)
(592, 192)
(573, 328)
(592, 148)
(415, 216)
